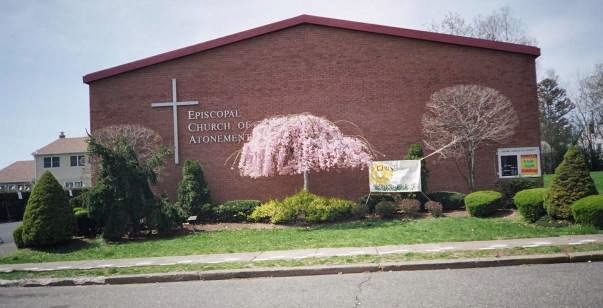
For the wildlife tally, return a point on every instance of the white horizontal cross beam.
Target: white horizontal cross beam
(174, 104)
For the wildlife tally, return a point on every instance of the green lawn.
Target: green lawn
(352, 234)
(596, 175)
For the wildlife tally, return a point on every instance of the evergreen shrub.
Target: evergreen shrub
(386, 209)
(571, 182)
(84, 225)
(483, 203)
(193, 193)
(373, 199)
(48, 218)
(589, 210)
(509, 187)
(235, 210)
(167, 215)
(18, 236)
(530, 203)
(450, 200)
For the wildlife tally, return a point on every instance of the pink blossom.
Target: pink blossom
(299, 143)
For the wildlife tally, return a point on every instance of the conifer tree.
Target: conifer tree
(572, 181)
(415, 151)
(48, 218)
(193, 193)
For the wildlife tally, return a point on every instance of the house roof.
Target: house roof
(64, 146)
(314, 20)
(18, 172)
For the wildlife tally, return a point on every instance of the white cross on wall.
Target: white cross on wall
(174, 104)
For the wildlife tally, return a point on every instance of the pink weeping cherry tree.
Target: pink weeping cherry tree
(300, 144)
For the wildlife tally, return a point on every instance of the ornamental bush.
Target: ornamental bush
(167, 215)
(372, 201)
(570, 183)
(48, 218)
(235, 210)
(450, 200)
(386, 209)
(410, 207)
(435, 208)
(483, 203)
(589, 210)
(306, 207)
(530, 203)
(509, 187)
(193, 193)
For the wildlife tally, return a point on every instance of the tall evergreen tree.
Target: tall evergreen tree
(415, 151)
(193, 193)
(555, 127)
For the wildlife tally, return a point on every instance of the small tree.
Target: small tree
(48, 218)
(571, 182)
(193, 193)
(415, 151)
(470, 116)
(122, 198)
(299, 144)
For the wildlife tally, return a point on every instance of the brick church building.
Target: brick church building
(377, 77)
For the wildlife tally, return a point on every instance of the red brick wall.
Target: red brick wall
(379, 82)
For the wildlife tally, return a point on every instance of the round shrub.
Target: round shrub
(509, 187)
(265, 212)
(235, 210)
(410, 207)
(589, 210)
(530, 202)
(18, 236)
(483, 203)
(570, 183)
(370, 201)
(450, 200)
(323, 210)
(48, 218)
(385, 209)
(435, 208)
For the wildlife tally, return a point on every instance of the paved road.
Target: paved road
(557, 285)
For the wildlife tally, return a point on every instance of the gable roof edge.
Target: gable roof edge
(315, 20)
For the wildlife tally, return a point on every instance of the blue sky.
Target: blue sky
(47, 46)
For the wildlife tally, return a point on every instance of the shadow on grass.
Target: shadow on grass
(69, 247)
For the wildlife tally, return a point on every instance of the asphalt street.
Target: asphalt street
(556, 285)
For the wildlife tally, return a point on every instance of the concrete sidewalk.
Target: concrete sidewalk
(306, 253)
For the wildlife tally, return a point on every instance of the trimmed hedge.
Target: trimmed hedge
(483, 203)
(450, 200)
(589, 210)
(530, 203)
(235, 210)
(509, 187)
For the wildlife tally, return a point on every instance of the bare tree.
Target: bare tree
(470, 116)
(145, 141)
(500, 25)
(588, 117)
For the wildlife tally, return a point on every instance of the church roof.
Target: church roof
(314, 20)
(64, 146)
(18, 172)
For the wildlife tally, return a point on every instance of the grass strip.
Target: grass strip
(376, 259)
(363, 233)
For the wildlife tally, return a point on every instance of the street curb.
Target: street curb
(311, 270)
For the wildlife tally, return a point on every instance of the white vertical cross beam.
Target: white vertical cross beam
(174, 104)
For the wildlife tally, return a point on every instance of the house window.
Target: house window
(52, 162)
(69, 185)
(78, 184)
(78, 160)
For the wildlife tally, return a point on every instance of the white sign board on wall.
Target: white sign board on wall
(518, 162)
(395, 176)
